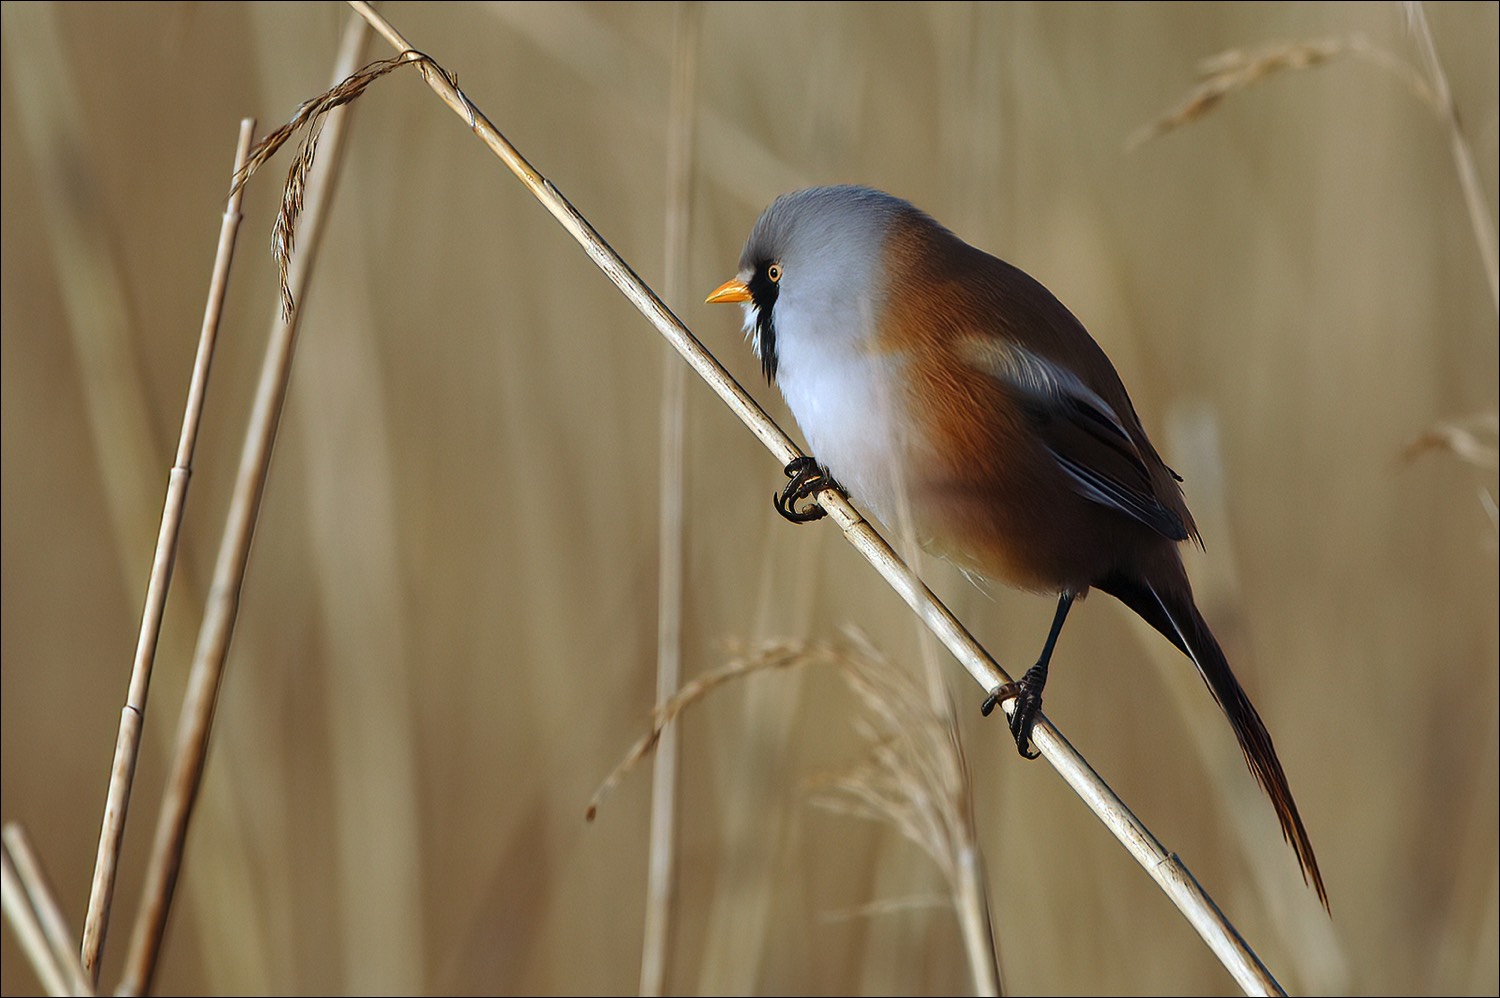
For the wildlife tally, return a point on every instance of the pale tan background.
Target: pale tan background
(448, 629)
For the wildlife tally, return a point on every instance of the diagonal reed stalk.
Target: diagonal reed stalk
(1463, 156)
(222, 607)
(1163, 867)
(1234, 70)
(32, 906)
(133, 714)
(25, 920)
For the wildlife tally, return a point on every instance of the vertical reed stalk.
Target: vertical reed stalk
(662, 859)
(56, 961)
(133, 714)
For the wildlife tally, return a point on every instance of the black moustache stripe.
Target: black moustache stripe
(764, 292)
(765, 331)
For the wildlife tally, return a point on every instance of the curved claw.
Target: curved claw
(807, 479)
(1023, 718)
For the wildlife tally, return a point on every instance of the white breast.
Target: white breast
(845, 398)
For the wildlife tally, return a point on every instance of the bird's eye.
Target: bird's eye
(774, 272)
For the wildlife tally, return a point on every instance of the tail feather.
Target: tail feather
(1176, 616)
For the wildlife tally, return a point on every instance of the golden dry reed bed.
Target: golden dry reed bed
(1279, 221)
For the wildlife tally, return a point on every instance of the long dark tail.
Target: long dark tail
(1171, 610)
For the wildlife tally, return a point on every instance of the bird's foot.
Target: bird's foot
(1027, 693)
(807, 480)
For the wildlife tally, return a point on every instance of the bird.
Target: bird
(945, 389)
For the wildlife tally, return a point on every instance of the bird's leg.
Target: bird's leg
(807, 479)
(1027, 691)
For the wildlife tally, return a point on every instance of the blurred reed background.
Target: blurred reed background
(449, 623)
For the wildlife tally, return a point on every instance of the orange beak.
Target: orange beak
(730, 291)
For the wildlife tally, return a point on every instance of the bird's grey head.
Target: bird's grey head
(814, 250)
